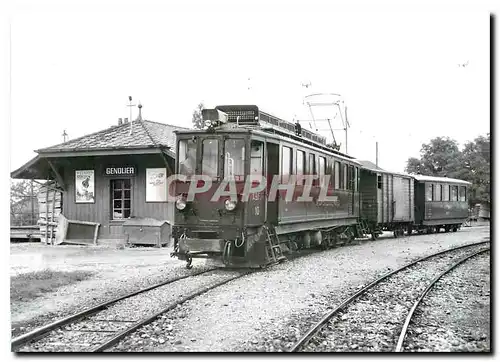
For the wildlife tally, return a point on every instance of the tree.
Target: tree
(21, 197)
(198, 122)
(476, 168)
(440, 157)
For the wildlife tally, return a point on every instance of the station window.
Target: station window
(446, 193)
(301, 165)
(121, 193)
(337, 175)
(286, 164)
(428, 192)
(463, 194)
(322, 170)
(454, 193)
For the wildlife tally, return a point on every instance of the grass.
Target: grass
(31, 285)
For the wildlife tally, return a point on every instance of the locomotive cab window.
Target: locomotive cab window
(256, 158)
(210, 158)
(187, 157)
(234, 159)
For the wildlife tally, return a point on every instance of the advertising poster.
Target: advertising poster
(84, 186)
(156, 185)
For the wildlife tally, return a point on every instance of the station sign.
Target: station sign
(119, 171)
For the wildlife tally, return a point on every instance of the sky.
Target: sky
(397, 71)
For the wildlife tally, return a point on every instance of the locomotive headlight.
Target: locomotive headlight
(230, 205)
(180, 204)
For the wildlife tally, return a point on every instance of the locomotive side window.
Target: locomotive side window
(322, 170)
(301, 165)
(351, 178)
(446, 193)
(286, 164)
(462, 194)
(337, 175)
(356, 179)
(312, 164)
(344, 177)
(234, 159)
(187, 157)
(210, 159)
(428, 192)
(256, 158)
(454, 193)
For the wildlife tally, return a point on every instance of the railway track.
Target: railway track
(100, 327)
(318, 334)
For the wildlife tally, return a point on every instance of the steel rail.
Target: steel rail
(399, 346)
(41, 331)
(119, 336)
(314, 329)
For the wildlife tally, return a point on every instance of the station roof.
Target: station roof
(146, 137)
(144, 134)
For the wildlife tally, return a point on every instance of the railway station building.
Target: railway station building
(110, 185)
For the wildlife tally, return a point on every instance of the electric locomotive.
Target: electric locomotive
(253, 187)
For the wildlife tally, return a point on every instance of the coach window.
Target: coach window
(286, 164)
(446, 193)
(301, 163)
(437, 192)
(379, 182)
(462, 194)
(351, 178)
(428, 192)
(454, 193)
(337, 175)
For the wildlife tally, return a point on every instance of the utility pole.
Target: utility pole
(32, 205)
(376, 153)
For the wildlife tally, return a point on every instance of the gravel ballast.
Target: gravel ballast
(269, 310)
(455, 314)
